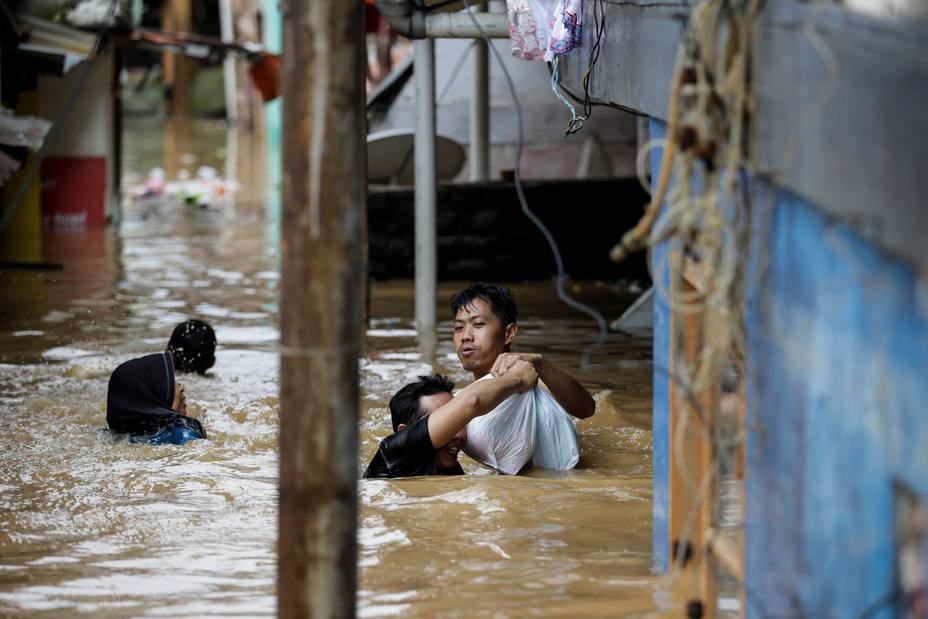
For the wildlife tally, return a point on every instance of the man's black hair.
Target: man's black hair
(500, 299)
(193, 346)
(405, 407)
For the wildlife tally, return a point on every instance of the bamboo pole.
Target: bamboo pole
(323, 207)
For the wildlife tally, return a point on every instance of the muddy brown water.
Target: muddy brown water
(92, 525)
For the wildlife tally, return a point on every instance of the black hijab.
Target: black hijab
(139, 398)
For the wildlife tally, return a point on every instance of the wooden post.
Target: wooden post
(323, 189)
(693, 474)
(177, 16)
(250, 107)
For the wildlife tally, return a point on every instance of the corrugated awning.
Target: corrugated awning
(51, 47)
(52, 35)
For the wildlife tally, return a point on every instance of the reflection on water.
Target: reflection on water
(91, 524)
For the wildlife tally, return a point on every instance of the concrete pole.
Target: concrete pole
(323, 193)
(228, 63)
(480, 109)
(426, 191)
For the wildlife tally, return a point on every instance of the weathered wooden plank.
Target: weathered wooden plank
(323, 187)
(693, 474)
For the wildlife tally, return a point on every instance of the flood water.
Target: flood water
(90, 524)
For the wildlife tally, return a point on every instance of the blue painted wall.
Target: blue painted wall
(661, 405)
(837, 408)
(837, 412)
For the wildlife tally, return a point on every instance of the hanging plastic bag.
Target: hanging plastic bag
(527, 427)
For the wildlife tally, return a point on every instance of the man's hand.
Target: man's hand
(525, 372)
(478, 398)
(507, 360)
(566, 390)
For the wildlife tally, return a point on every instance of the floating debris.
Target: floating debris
(206, 189)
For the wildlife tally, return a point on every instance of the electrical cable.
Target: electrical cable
(593, 103)
(575, 123)
(599, 29)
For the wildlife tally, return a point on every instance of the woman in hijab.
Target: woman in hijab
(145, 402)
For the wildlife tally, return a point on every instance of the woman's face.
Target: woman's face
(180, 400)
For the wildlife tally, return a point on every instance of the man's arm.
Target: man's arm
(568, 392)
(478, 398)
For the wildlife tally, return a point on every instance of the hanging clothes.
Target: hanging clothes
(566, 31)
(544, 28)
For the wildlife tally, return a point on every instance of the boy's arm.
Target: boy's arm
(477, 399)
(568, 392)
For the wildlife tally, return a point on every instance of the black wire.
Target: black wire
(593, 103)
(599, 28)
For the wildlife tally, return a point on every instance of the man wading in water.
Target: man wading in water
(428, 422)
(484, 329)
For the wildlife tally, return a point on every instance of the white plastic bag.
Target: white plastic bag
(557, 444)
(526, 427)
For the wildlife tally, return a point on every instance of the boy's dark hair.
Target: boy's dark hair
(405, 407)
(499, 298)
(193, 346)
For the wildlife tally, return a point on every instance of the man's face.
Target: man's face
(480, 336)
(447, 456)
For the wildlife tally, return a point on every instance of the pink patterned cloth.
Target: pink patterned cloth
(565, 29)
(526, 40)
(544, 28)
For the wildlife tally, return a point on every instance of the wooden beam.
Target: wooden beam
(323, 189)
(177, 16)
(693, 474)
